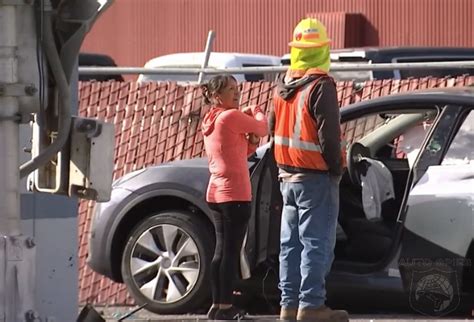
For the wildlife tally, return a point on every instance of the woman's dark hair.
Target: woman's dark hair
(214, 86)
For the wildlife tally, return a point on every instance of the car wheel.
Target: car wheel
(166, 262)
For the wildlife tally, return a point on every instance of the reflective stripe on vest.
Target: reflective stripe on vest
(302, 145)
(295, 142)
(298, 144)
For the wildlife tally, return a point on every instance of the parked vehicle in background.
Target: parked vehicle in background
(97, 60)
(216, 60)
(156, 234)
(341, 57)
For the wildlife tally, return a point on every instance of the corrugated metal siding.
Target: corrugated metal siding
(346, 29)
(157, 123)
(134, 31)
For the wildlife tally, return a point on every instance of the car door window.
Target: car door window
(461, 150)
(439, 205)
(406, 145)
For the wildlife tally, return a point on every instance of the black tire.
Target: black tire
(200, 232)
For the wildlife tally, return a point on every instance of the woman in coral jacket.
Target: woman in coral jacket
(230, 136)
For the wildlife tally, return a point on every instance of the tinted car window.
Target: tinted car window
(461, 150)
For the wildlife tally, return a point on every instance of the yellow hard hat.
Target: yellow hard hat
(309, 33)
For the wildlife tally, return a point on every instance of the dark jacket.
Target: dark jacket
(324, 108)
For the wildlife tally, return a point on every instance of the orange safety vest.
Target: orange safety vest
(296, 132)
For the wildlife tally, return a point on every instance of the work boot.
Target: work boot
(322, 314)
(288, 314)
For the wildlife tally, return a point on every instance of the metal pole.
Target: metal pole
(64, 112)
(269, 69)
(9, 126)
(17, 253)
(207, 54)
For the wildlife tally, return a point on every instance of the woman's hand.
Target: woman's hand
(247, 110)
(251, 110)
(253, 139)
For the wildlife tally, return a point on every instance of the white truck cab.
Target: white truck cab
(216, 60)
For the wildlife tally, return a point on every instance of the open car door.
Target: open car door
(258, 173)
(438, 221)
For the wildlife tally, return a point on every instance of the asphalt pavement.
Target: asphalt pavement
(112, 314)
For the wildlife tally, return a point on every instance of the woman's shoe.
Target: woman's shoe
(231, 313)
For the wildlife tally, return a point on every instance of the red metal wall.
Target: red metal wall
(346, 29)
(133, 31)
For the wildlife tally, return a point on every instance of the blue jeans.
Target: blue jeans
(307, 239)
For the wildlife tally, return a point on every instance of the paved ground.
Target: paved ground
(115, 313)
(275, 319)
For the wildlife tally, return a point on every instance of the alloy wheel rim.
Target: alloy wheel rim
(165, 263)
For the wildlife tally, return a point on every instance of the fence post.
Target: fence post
(207, 54)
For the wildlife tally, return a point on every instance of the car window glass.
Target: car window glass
(356, 129)
(405, 146)
(461, 150)
(409, 143)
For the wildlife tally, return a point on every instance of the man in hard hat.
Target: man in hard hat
(310, 155)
